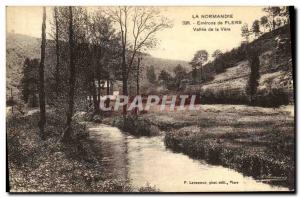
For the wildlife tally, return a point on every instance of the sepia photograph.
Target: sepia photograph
(150, 99)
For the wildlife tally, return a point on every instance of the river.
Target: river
(145, 160)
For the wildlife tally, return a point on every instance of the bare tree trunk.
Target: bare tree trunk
(124, 78)
(138, 77)
(57, 50)
(41, 79)
(107, 87)
(273, 22)
(68, 131)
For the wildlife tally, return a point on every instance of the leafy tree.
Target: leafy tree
(216, 53)
(68, 130)
(150, 73)
(180, 75)
(256, 28)
(138, 36)
(245, 32)
(164, 77)
(264, 22)
(218, 62)
(56, 30)
(253, 81)
(219, 65)
(42, 121)
(29, 82)
(197, 62)
(272, 13)
(285, 14)
(138, 74)
(104, 50)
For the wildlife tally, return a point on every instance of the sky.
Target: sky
(179, 42)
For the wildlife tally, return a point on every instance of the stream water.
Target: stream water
(145, 160)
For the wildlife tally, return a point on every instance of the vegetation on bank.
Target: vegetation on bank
(135, 125)
(51, 166)
(255, 141)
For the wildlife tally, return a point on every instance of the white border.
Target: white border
(4, 3)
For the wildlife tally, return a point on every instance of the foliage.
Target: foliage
(256, 28)
(29, 82)
(151, 76)
(245, 32)
(77, 168)
(264, 21)
(216, 53)
(135, 125)
(197, 62)
(253, 81)
(137, 37)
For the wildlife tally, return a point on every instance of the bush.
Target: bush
(278, 162)
(135, 125)
(273, 98)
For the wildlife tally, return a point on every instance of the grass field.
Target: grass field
(256, 141)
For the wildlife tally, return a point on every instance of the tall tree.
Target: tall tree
(68, 131)
(57, 77)
(216, 53)
(198, 61)
(245, 32)
(138, 68)
(42, 121)
(272, 13)
(103, 47)
(151, 76)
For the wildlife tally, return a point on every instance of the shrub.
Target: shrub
(135, 125)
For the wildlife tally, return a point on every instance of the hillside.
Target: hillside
(166, 64)
(275, 73)
(19, 47)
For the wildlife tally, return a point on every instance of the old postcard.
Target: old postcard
(150, 99)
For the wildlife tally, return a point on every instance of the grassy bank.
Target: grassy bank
(258, 142)
(135, 125)
(50, 166)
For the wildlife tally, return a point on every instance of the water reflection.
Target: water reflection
(146, 160)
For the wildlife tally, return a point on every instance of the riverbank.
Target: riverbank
(145, 160)
(51, 166)
(256, 141)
